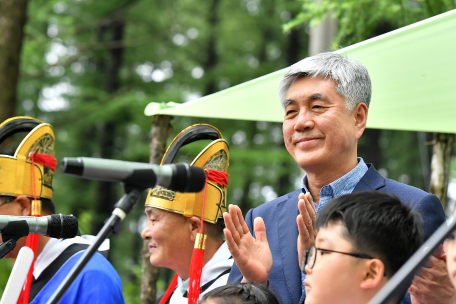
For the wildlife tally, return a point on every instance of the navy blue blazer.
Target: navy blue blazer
(280, 215)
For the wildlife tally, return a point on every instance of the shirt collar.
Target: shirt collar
(343, 185)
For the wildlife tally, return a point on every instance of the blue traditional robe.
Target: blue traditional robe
(98, 282)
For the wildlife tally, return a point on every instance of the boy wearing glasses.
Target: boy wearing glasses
(362, 239)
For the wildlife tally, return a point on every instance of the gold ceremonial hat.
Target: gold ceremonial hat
(16, 176)
(214, 156)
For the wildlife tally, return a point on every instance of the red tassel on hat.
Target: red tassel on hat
(196, 267)
(32, 240)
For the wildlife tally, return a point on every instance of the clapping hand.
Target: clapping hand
(306, 224)
(252, 256)
(432, 285)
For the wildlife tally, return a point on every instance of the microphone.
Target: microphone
(175, 177)
(55, 226)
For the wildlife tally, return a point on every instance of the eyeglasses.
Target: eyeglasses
(310, 256)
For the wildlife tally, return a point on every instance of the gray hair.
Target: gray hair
(352, 78)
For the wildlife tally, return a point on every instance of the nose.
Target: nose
(145, 233)
(308, 271)
(304, 121)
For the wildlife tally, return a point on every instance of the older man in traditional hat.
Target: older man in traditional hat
(185, 230)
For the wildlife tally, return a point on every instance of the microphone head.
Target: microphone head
(72, 166)
(62, 226)
(188, 178)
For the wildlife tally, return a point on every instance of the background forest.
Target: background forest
(91, 67)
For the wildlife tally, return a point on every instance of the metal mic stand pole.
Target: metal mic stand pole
(123, 207)
(400, 282)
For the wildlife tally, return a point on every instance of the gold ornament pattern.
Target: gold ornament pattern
(164, 193)
(45, 145)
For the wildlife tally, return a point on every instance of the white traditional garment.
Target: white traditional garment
(54, 247)
(98, 280)
(215, 274)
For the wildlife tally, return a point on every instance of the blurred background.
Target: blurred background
(90, 68)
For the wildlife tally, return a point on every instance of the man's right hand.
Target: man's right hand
(306, 224)
(252, 256)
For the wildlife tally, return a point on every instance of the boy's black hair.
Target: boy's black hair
(241, 293)
(377, 224)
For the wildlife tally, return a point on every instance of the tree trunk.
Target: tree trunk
(322, 35)
(110, 65)
(211, 50)
(161, 130)
(13, 14)
(440, 166)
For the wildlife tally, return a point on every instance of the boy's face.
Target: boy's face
(336, 277)
(450, 249)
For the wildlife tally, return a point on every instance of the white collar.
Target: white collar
(54, 247)
(219, 262)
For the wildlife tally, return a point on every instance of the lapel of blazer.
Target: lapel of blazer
(372, 180)
(287, 211)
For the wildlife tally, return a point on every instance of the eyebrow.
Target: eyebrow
(288, 102)
(323, 240)
(149, 211)
(315, 96)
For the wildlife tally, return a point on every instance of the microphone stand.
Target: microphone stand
(401, 280)
(10, 234)
(123, 207)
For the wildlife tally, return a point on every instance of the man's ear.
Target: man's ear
(24, 202)
(195, 226)
(374, 274)
(360, 117)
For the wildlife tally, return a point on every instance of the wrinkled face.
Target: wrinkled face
(318, 130)
(335, 277)
(450, 249)
(169, 236)
(12, 208)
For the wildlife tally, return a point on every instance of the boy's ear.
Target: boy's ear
(24, 202)
(445, 246)
(374, 274)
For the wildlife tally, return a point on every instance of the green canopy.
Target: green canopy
(413, 73)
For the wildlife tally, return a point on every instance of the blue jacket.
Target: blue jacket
(280, 215)
(98, 283)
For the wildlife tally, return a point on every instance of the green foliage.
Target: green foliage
(173, 51)
(170, 51)
(359, 19)
(6, 266)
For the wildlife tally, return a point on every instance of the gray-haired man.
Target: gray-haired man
(326, 99)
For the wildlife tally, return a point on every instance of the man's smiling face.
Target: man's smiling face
(169, 236)
(318, 129)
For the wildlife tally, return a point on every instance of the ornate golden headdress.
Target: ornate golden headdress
(214, 156)
(29, 171)
(16, 175)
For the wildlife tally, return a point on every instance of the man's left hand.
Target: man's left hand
(306, 224)
(432, 284)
